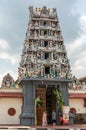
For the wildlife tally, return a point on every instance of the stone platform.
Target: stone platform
(57, 127)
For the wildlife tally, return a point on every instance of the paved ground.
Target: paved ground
(57, 127)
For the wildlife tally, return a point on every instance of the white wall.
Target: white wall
(5, 104)
(78, 104)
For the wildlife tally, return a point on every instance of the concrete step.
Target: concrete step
(79, 127)
(40, 129)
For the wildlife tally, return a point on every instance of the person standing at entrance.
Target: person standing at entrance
(44, 119)
(54, 117)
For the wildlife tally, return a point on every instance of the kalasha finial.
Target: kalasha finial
(54, 12)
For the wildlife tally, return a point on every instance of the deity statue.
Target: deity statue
(25, 58)
(42, 70)
(58, 67)
(39, 55)
(31, 10)
(53, 71)
(50, 44)
(54, 12)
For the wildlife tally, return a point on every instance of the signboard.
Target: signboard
(66, 114)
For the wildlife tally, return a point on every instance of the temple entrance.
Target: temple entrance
(49, 103)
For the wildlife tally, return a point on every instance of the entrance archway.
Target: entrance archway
(49, 103)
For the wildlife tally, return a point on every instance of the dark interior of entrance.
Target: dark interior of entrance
(50, 102)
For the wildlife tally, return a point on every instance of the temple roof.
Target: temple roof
(44, 53)
(8, 81)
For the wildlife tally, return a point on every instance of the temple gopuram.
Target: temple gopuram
(43, 68)
(44, 65)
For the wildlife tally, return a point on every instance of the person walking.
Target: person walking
(54, 117)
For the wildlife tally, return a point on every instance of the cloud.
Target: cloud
(7, 56)
(79, 67)
(77, 50)
(83, 23)
(4, 44)
(5, 52)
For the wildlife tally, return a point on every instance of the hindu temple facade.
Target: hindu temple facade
(44, 65)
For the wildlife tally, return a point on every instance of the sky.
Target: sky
(14, 18)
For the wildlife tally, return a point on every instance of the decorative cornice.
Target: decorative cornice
(77, 95)
(10, 95)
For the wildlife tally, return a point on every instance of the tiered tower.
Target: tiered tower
(44, 54)
(44, 65)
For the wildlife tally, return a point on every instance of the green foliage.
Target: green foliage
(59, 97)
(39, 101)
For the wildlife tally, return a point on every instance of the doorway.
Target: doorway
(50, 102)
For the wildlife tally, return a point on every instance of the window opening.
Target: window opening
(46, 55)
(44, 23)
(45, 32)
(47, 70)
(45, 43)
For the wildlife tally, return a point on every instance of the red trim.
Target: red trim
(11, 95)
(72, 95)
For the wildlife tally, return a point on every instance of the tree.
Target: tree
(38, 103)
(59, 98)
